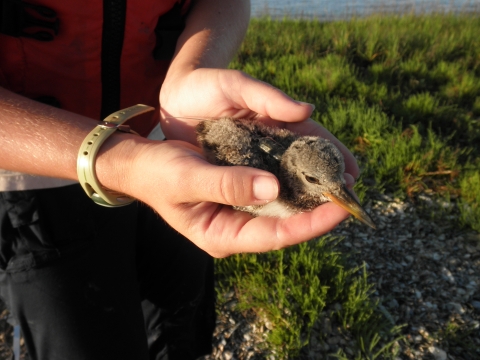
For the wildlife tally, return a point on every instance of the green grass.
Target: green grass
(411, 82)
(454, 335)
(403, 92)
(295, 288)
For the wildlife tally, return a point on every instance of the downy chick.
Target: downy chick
(309, 168)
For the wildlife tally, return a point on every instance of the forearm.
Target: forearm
(214, 31)
(42, 140)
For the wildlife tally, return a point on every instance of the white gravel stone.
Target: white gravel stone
(456, 307)
(447, 275)
(437, 353)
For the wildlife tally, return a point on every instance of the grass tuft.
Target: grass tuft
(292, 289)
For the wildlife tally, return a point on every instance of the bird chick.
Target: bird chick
(309, 168)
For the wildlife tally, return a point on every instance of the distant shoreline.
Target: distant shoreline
(347, 9)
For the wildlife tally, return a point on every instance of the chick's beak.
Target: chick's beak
(345, 199)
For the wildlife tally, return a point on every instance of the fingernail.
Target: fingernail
(306, 104)
(349, 180)
(265, 188)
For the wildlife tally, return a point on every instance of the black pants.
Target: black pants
(87, 282)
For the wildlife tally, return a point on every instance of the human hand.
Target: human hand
(215, 93)
(193, 197)
(218, 229)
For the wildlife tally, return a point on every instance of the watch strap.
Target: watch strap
(89, 150)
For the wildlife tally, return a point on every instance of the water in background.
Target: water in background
(341, 9)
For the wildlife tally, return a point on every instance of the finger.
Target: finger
(230, 185)
(246, 92)
(229, 234)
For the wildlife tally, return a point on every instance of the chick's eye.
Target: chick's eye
(311, 179)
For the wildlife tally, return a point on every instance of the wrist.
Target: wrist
(90, 148)
(115, 161)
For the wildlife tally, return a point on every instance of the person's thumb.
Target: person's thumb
(230, 185)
